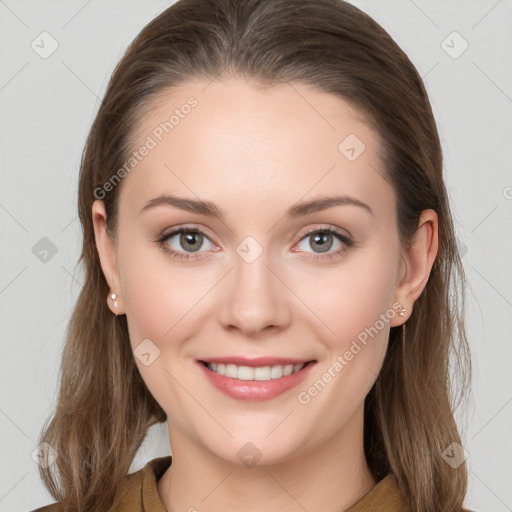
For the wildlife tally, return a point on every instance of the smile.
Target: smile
(260, 373)
(255, 382)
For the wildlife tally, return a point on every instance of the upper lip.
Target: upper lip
(256, 361)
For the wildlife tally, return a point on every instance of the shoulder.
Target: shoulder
(54, 507)
(385, 496)
(137, 489)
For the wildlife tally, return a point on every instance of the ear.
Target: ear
(418, 259)
(107, 254)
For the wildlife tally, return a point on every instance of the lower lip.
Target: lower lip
(255, 389)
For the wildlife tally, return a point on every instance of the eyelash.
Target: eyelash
(329, 256)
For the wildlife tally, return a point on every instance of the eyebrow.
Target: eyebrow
(209, 209)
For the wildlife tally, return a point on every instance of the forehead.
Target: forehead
(228, 139)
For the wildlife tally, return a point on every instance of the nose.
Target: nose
(255, 297)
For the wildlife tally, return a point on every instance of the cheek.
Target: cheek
(351, 299)
(162, 298)
(357, 308)
(146, 305)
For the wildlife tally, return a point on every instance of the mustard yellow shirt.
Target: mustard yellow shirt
(139, 493)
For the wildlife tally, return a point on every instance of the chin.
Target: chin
(250, 451)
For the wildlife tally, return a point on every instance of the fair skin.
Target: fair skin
(255, 154)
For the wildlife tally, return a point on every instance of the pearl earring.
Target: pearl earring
(113, 296)
(402, 311)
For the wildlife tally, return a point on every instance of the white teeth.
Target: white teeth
(276, 372)
(231, 371)
(245, 373)
(257, 373)
(262, 373)
(288, 369)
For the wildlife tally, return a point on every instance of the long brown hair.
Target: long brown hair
(104, 408)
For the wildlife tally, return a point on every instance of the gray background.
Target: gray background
(46, 108)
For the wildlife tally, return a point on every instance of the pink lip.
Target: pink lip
(255, 389)
(256, 361)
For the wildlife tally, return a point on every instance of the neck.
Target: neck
(330, 477)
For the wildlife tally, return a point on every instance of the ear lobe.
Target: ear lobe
(107, 254)
(419, 259)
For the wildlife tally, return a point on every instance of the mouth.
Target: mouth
(262, 378)
(254, 372)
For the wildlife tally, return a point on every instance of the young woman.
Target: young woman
(263, 212)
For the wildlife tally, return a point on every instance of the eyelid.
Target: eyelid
(187, 227)
(194, 227)
(181, 229)
(326, 227)
(346, 240)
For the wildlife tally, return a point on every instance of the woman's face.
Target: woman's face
(262, 280)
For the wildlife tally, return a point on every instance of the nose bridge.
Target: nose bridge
(256, 298)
